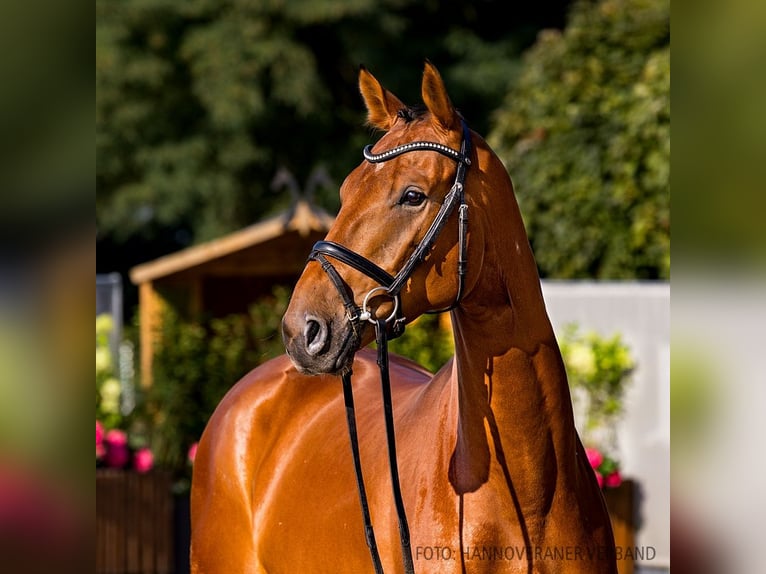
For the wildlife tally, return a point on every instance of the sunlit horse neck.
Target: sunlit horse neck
(488, 454)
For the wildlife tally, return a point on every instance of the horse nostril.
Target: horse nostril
(316, 336)
(312, 329)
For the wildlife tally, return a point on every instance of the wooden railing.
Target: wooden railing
(134, 523)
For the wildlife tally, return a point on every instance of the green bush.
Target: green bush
(598, 370)
(585, 135)
(196, 363)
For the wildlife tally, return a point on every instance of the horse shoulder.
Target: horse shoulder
(228, 453)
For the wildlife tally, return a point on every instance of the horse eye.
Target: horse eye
(412, 197)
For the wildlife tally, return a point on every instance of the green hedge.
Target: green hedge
(586, 138)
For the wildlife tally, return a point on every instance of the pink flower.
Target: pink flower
(116, 437)
(599, 479)
(595, 458)
(99, 433)
(100, 449)
(143, 460)
(117, 453)
(193, 452)
(613, 479)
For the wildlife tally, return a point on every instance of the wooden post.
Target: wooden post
(620, 502)
(150, 318)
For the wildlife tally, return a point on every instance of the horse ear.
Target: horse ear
(436, 99)
(382, 105)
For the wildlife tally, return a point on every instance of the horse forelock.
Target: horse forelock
(411, 113)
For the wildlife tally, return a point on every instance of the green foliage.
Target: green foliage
(586, 137)
(108, 387)
(598, 369)
(185, 97)
(196, 363)
(426, 342)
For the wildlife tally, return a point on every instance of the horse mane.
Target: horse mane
(411, 113)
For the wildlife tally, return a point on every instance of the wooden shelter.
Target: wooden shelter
(225, 275)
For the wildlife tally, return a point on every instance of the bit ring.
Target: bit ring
(366, 315)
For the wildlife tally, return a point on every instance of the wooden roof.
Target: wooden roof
(280, 243)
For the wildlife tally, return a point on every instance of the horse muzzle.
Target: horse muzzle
(319, 345)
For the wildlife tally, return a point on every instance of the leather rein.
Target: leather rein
(391, 286)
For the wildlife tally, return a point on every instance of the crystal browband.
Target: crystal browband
(413, 146)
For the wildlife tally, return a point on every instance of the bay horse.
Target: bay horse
(493, 475)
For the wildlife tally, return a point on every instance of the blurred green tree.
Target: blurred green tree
(190, 98)
(199, 103)
(585, 135)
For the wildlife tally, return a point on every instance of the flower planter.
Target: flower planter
(620, 503)
(134, 522)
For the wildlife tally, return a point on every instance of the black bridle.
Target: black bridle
(391, 285)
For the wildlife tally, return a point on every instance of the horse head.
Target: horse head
(399, 245)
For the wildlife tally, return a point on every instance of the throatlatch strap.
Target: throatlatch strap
(388, 411)
(369, 533)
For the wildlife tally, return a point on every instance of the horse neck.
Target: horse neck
(512, 394)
